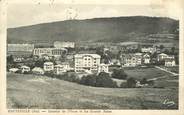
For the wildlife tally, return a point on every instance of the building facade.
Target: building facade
(48, 66)
(20, 47)
(130, 60)
(169, 62)
(86, 62)
(146, 58)
(59, 44)
(49, 51)
(103, 68)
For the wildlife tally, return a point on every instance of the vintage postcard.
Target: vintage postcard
(91, 57)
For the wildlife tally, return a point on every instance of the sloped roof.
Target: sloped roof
(92, 55)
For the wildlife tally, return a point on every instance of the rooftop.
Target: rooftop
(82, 55)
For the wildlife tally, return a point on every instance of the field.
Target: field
(29, 91)
(148, 73)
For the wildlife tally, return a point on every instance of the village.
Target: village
(88, 58)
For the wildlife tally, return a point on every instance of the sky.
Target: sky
(37, 11)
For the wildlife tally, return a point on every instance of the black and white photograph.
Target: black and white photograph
(69, 55)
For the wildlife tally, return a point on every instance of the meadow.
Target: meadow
(41, 92)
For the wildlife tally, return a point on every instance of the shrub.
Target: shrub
(131, 83)
(49, 74)
(119, 74)
(123, 85)
(104, 80)
(101, 80)
(89, 80)
(145, 81)
(67, 77)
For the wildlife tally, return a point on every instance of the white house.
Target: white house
(48, 66)
(13, 70)
(161, 57)
(148, 49)
(146, 58)
(59, 69)
(169, 62)
(103, 68)
(38, 70)
(86, 62)
(25, 69)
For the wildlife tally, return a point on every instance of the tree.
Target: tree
(89, 80)
(101, 80)
(173, 50)
(119, 74)
(104, 80)
(39, 63)
(144, 81)
(10, 59)
(161, 47)
(131, 82)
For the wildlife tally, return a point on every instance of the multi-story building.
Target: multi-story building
(61, 68)
(59, 44)
(48, 66)
(20, 47)
(129, 60)
(49, 51)
(87, 62)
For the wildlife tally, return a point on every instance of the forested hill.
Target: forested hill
(114, 29)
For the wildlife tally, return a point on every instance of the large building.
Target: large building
(58, 44)
(129, 60)
(87, 62)
(49, 51)
(20, 47)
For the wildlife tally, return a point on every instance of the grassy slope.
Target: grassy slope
(58, 94)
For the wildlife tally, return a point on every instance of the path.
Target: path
(175, 74)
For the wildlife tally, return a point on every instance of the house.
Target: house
(103, 68)
(148, 49)
(25, 69)
(38, 70)
(48, 66)
(86, 62)
(18, 58)
(59, 69)
(161, 57)
(128, 60)
(13, 70)
(138, 58)
(169, 62)
(146, 58)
